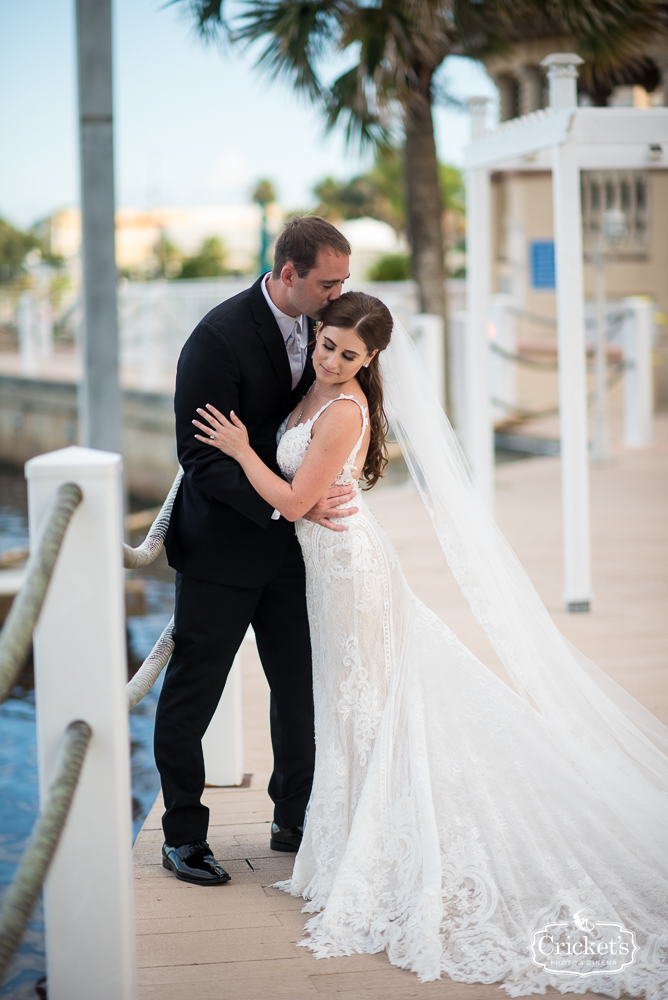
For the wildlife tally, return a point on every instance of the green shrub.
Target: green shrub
(391, 267)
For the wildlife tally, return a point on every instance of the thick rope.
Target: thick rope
(150, 548)
(16, 636)
(151, 668)
(21, 896)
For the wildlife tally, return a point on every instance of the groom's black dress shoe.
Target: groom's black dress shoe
(194, 863)
(285, 838)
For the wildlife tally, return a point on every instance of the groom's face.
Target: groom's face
(322, 284)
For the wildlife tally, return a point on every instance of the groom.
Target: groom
(237, 561)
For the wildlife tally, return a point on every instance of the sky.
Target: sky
(194, 125)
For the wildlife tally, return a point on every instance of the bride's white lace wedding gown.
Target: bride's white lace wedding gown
(446, 822)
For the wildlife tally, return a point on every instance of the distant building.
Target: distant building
(139, 233)
(523, 249)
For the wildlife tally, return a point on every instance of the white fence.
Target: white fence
(156, 318)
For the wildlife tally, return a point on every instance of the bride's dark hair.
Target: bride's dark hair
(371, 320)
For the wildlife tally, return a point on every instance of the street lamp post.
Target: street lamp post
(613, 231)
(263, 195)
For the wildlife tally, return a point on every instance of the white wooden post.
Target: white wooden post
(457, 333)
(45, 329)
(223, 742)
(81, 673)
(638, 382)
(26, 325)
(479, 427)
(503, 371)
(150, 339)
(600, 438)
(426, 330)
(572, 344)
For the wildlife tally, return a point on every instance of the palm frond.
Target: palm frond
(350, 103)
(297, 35)
(208, 17)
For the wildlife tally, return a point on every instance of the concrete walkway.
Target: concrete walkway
(239, 941)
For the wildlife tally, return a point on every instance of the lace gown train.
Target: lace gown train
(446, 822)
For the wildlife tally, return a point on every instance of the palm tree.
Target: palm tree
(398, 46)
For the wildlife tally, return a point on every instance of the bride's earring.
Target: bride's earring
(366, 365)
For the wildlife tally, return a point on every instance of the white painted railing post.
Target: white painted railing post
(638, 382)
(572, 344)
(151, 336)
(426, 330)
(81, 673)
(457, 333)
(503, 371)
(223, 742)
(26, 321)
(479, 441)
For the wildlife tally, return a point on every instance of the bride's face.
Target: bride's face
(339, 354)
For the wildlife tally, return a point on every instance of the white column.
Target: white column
(26, 322)
(479, 445)
(223, 742)
(567, 211)
(638, 381)
(150, 334)
(503, 371)
(457, 333)
(572, 378)
(600, 438)
(45, 329)
(426, 330)
(81, 673)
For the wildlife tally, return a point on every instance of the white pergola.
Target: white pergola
(565, 139)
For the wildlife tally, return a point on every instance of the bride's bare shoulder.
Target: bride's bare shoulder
(353, 388)
(343, 418)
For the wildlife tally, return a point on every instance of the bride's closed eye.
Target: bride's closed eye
(329, 346)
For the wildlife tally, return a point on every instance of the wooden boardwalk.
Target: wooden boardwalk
(240, 940)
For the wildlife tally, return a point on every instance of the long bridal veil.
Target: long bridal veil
(615, 744)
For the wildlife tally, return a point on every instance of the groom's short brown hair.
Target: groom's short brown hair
(302, 237)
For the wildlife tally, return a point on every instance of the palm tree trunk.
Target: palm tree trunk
(425, 210)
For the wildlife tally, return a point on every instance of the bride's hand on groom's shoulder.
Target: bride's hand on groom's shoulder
(327, 507)
(229, 436)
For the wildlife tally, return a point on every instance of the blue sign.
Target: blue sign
(541, 255)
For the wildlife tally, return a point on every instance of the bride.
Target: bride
(469, 828)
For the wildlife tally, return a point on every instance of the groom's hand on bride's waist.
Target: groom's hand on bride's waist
(327, 508)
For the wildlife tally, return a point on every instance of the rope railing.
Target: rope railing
(518, 414)
(152, 545)
(16, 636)
(21, 896)
(523, 359)
(612, 319)
(151, 668)
(15, 639)
(149, 550)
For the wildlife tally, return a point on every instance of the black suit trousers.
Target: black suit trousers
(210, 622)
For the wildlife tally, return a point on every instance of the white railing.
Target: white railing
(81, 673)
(630, 326)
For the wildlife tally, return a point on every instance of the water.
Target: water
(18, 756)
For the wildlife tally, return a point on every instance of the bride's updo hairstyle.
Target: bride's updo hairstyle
(371, 320)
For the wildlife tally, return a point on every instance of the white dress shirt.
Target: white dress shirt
(289, 326)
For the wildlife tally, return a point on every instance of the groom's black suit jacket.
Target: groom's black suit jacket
(221, 530)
